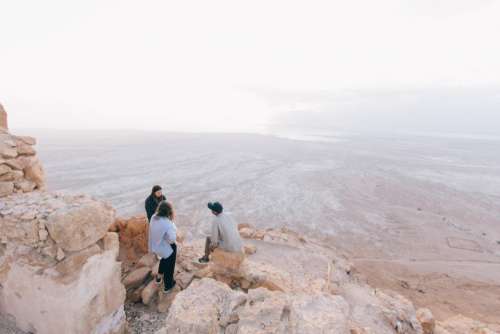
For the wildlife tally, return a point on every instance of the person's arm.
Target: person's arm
(214, 238)
(149, 211)
(171, 233)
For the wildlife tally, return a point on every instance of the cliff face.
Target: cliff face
(58, 263)
(20, 169)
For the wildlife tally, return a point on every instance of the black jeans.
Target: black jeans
(167, 268)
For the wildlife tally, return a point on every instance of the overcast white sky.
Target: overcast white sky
(203, 65)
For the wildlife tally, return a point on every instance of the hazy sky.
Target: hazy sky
(219, 65)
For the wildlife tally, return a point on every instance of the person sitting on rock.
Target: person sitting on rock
(224, 233)
(162, 237)
(153, 200)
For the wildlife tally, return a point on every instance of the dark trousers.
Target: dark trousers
(208, 247)
(167, 268)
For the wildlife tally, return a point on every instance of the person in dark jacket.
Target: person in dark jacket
(153, 200)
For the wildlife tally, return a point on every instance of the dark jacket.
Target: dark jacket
(151, 205)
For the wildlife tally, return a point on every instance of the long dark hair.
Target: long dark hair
(165, 209)
(155, 189)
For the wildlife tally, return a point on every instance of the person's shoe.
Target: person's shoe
(167, 291)
(158, 280)
(203, 259)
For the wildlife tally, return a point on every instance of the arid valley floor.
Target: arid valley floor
(419, 215)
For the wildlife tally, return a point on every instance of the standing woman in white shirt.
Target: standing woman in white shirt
(162, 237)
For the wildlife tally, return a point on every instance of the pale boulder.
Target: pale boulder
(3, 118)
(24, 149)
(80, 295)
(209, 298)
(148, 293)
(78, 227)
(36, 174)
(427, 320)
(226, 263)
(136, 278)
(4, 169)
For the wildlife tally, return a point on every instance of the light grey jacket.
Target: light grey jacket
(225, 234)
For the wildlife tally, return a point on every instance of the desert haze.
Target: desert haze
(418, 214)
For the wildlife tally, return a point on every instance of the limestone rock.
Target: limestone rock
(4, 169)
(165, 300)
(247, 232)
(85, 287)
(6, 188)
(149, 292)
(25, 186)
(427, 320)
(133, 234)
(14, 164)
(43, 234)
(136, 278)
(24, 149)
(220, 309)
(226, 263)
(250, 249)
(36, 174)
(7, 152)
(184, 279)
(13, 175)
(3, 118)
(25, 140)
(208, 298)
(60, 254)
(111, 243)
(148, 260)
(78, 227)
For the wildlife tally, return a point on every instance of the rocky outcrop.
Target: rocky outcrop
(133, 234)
(3, 119)
(266, 293)
(20, 169)
(57, 258)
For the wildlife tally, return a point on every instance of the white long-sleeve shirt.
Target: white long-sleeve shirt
(162, 233)
(225, 234)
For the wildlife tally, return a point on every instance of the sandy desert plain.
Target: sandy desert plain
(416, 214)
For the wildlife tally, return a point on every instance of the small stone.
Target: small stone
(43, 234)
(427, 320)
(250, 249)
(60, 254)
(247, 233)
